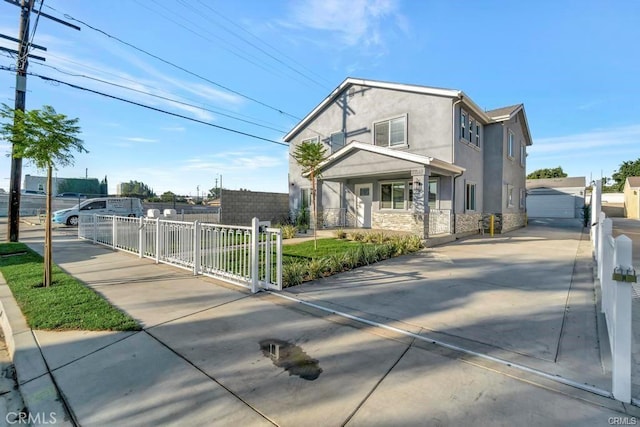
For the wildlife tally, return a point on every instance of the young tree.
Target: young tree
(47, 139)
(309, 155)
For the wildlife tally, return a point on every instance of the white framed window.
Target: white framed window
(40, 187)
(523, 154)
(477, 134)
(336, 141)
(523, 197)
(471, 123)
(463, 124)
(470, 197)
(509, 196)
(510, 145)
(393, 195)
(390, 133)
(305, 198)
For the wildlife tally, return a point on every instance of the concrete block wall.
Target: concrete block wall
(239, 207)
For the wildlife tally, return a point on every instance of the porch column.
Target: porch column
(420, 178)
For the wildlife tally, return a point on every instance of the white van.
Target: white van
(119, 206)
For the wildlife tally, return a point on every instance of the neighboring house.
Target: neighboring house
(413, 158)
(555, 197)
(89, 186)
(39, 183)
(632, 197)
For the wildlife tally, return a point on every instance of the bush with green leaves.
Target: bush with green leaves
(356, 236)
(293, 273)
(316, 268)
(340, 233)
(288, 231)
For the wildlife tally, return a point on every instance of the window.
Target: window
(336, 141)
(101, 204)
(471, 122)
(509, 196)
(390, 133)
(477, 134)
(433, 192)
(463, 124)
(305, 198)
(523, 195)
(364, 192)
(40, 187)
(510, 147)
(392, 195)
(470, 197)
(523, 154)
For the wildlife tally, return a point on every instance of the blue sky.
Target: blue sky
(574, 64)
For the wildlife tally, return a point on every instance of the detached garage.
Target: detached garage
(555, 197)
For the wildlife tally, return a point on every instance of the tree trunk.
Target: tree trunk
(47, 233)
(315, 211)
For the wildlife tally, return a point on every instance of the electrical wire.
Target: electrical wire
(160, 97)
(56, 81)
(35, 27)
(165, 61)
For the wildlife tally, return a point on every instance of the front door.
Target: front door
(364, 195)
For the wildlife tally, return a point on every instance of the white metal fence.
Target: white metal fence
(615, 271)
(246, 256)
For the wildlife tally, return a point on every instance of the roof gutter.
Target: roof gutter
(453, 157)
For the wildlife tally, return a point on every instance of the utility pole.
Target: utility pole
(21, 91)
(26, 8)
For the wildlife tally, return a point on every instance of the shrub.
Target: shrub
(340, 233)
(288, 231)
(334, 264)
(293, 273)
(356, 236)
(316, 268)
(586, 215)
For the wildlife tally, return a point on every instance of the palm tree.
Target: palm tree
(309, 155)
(47, 139)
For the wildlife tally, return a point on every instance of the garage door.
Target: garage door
(551, 206)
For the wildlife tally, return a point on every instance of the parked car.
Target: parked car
(34, 192)
(119, 206)
(72, 195)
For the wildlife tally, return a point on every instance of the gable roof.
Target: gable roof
(507, 113)
(403, 155)
(576, 181)
(351, 81)
(634, 181)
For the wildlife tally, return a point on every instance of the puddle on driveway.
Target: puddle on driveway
(291, 358)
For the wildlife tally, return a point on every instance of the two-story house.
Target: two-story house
(412, 158)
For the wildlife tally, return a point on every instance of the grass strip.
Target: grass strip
(67, 305)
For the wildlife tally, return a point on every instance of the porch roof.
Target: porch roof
(416, 159)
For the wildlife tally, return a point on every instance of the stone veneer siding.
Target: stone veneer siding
(511, 221)
(467, 223)
(399, 221)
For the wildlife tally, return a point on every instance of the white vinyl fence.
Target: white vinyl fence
(615, 271)
(245, 256)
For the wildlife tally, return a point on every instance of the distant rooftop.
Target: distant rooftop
(577, 181)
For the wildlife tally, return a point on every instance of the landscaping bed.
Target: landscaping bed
(301, 262)
(67, 304)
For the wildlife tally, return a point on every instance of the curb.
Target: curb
(35, 382)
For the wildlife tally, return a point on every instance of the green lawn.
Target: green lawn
(325, 247)
(68, 304)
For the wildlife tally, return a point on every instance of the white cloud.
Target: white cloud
(232, 161)
(598, 138)
(357, 22)
(140, 139)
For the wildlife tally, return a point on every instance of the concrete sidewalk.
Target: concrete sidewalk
(207, 353)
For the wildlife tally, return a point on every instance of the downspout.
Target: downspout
(453, 158)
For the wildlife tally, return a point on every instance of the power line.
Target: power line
(50, 79)
(161, 97)
(278, 60)
(67, 16)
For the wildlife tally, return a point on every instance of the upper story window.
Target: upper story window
(390, 133)
(523, 154)
(471, 126)
(477, 142)
(510, 145)
(336, 141)
(463, 124)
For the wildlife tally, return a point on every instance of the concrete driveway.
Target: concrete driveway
(526, 297)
